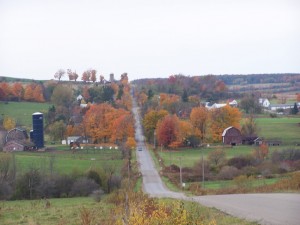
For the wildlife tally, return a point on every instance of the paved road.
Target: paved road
(269, 209)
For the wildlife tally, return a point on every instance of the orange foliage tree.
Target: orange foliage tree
(5, 90)
(17, 90)
(104, 123)
(222, 118)
(200, 117)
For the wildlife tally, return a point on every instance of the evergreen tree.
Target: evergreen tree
(184, 96)
(294, 110)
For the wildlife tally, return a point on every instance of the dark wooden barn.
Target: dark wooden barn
(232, 136)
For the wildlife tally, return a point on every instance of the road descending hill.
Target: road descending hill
(274, 209)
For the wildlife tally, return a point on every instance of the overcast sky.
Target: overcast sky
(154, 38)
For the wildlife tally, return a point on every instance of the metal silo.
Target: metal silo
(38, 129)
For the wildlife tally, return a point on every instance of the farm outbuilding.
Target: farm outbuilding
(18, 145)
(232, 136)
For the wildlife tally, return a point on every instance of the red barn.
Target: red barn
(232, 136)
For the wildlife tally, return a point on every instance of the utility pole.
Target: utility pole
(154, 134)
(202, 169)
(180, 172)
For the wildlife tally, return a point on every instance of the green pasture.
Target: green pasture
(22, 111)
(65, 162)
(190, 156)
(285, 129)
(229, 183)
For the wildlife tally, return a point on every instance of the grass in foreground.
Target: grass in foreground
(80, 210)
(61, 211)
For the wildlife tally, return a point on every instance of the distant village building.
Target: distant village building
(232, 136)
(264, 102)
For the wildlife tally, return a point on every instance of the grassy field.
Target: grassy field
(61, 211)
(65, 162)
(22, 111)
(283, 128)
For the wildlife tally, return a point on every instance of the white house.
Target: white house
(264, 102)
(233, 103)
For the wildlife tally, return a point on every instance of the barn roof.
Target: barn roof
(227, 129)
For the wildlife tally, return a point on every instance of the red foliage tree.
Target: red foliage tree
(167, 130)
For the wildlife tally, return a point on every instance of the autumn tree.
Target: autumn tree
(124, 78)
(5, 90)
(168, 130)
(200, 118)
(17, 90)
(86, 76)
(9, 123)
(98, 122)
(57, 130)
(122, 126)
(28, 92)
(38, 94)
(72, 75)
(62, 95)
(34, 92)
(150, 121)
(298, 97)
(59, 74)
(222, 118)
(261, 152)
(93, 76)
(185, 132)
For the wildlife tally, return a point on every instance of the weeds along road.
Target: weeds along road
(269, 209)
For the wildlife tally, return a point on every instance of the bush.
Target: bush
(63, 184)
(83, 187)
(243, 181)
(27, 185)
(228, 173)
(240, 161)
(47, 189)
(97, 194)
(5, 191)
(93, 175)
(287, 154)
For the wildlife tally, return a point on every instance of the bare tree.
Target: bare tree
(59, 74)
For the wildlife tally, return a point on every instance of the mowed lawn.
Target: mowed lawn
(22, 111)
(65, 162)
